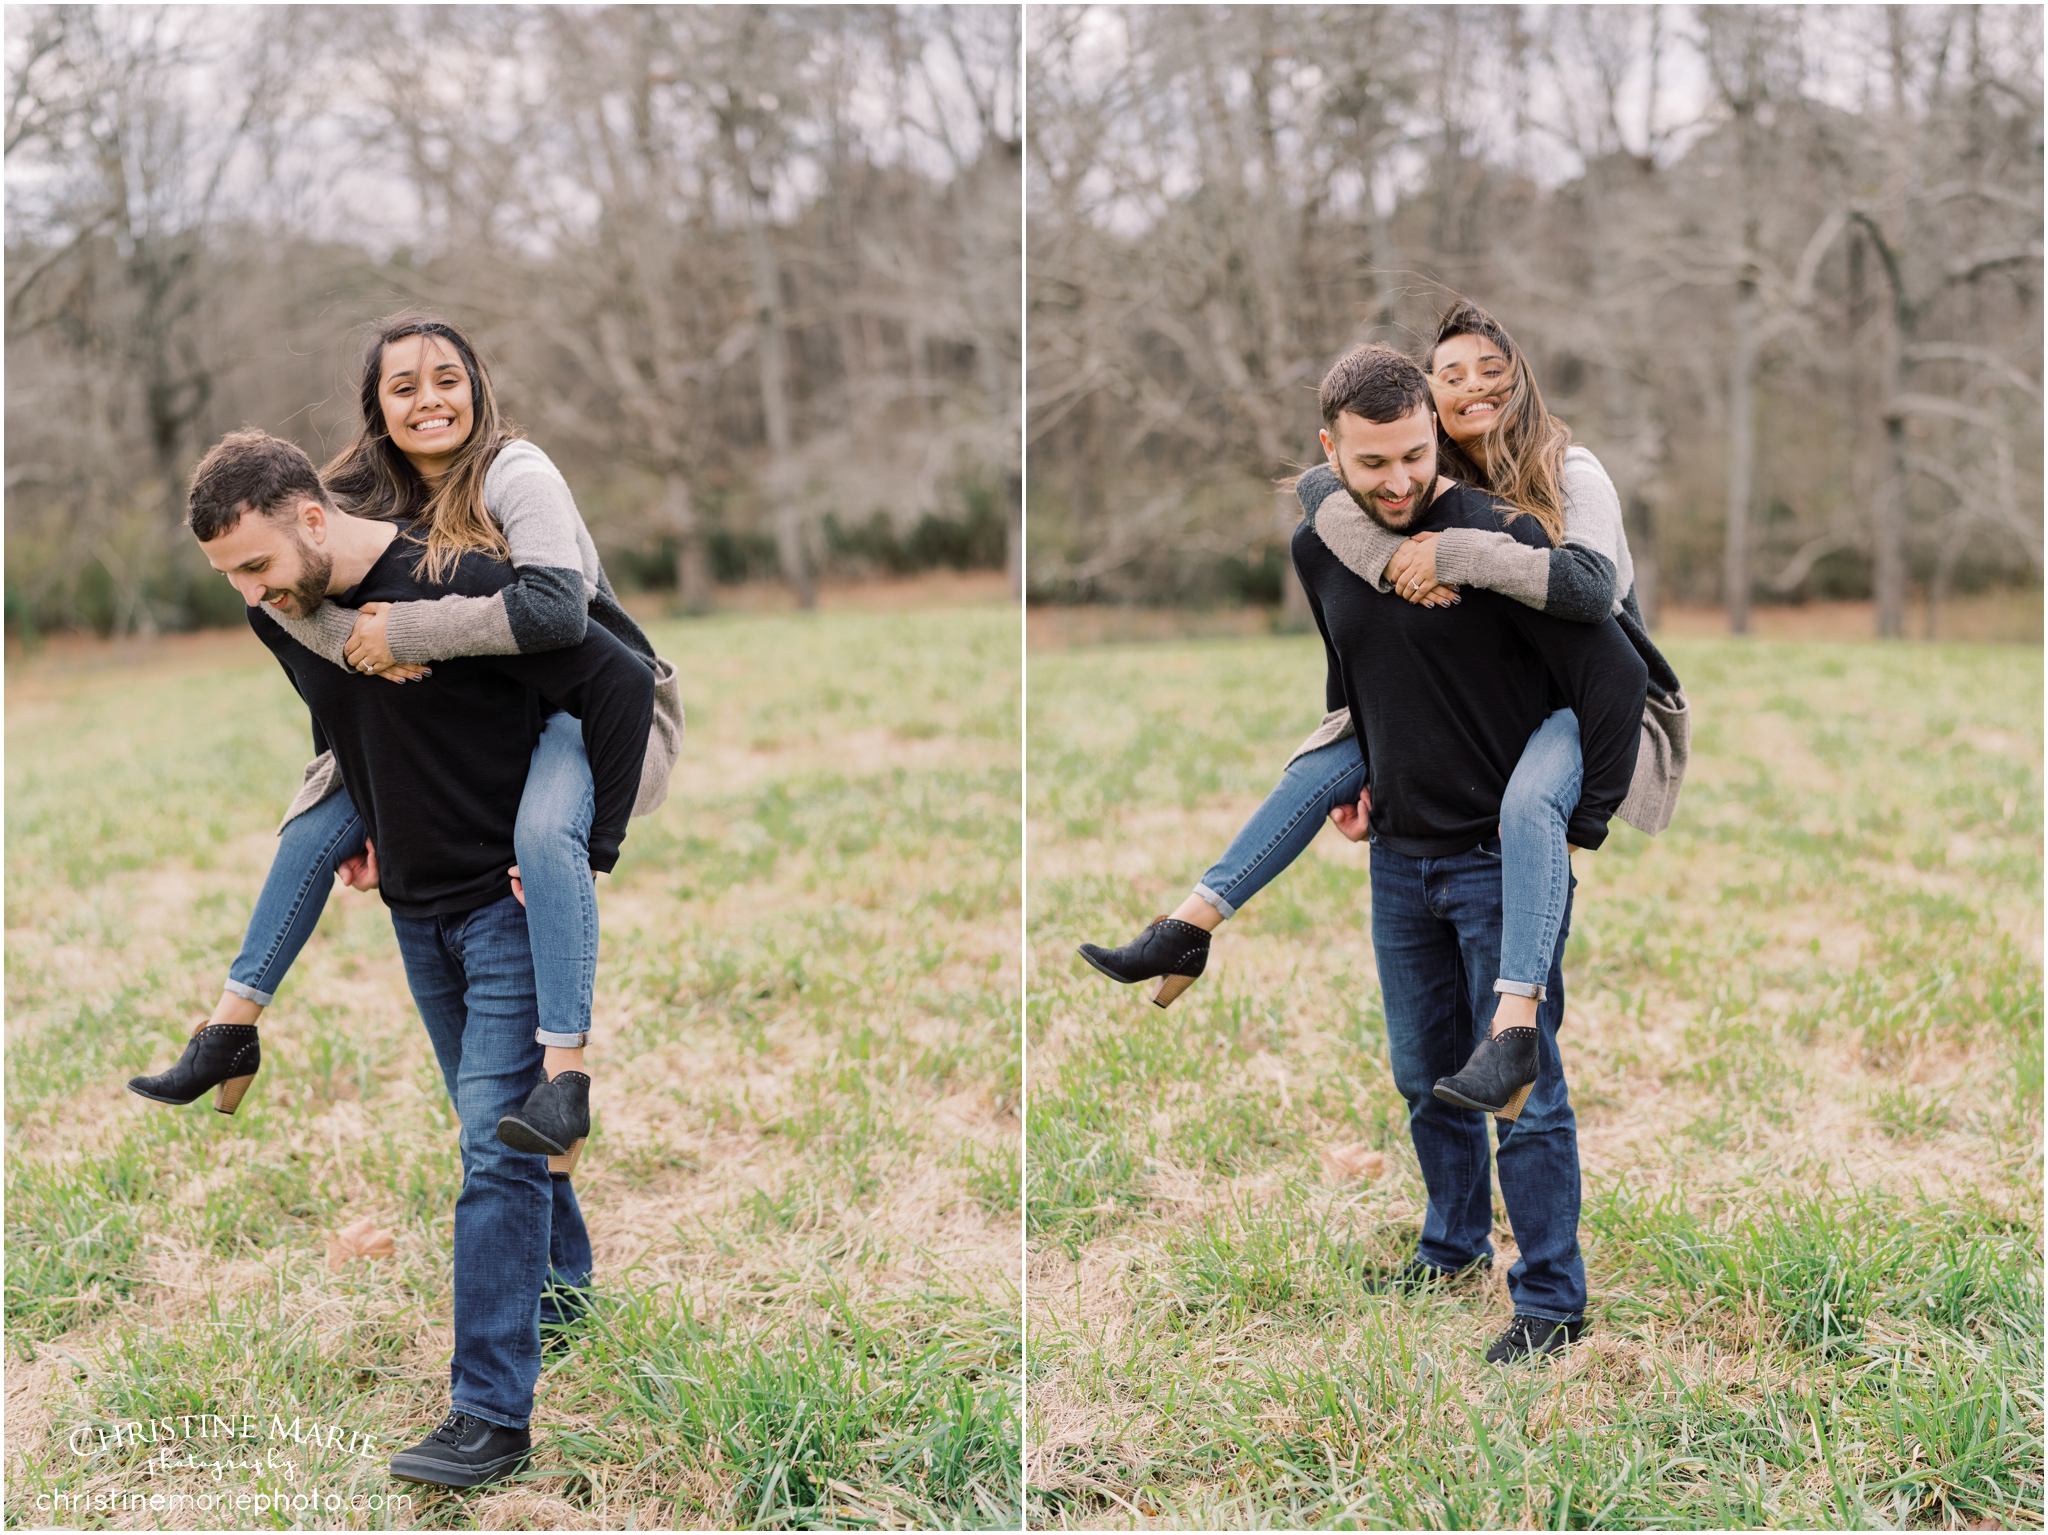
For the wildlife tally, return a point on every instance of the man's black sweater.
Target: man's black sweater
(1444, 699)
(436, 767)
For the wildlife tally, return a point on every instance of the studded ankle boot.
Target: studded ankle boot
(1173, 950)
(223, 1055)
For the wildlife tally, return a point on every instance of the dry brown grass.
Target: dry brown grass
(804, 1087)
(1803, 1028)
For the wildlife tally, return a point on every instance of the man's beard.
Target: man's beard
(1370, 505)
(316, 568)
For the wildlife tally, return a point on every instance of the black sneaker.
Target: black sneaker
(1532, 1337)
(1416, 1275)
(464, 1451)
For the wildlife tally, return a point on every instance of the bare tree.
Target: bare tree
(1995, 208)
(121, 171)
(733, 285)
(1224, 199)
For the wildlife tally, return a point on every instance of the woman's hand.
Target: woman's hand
(366, 649)
(1412, 573)
(1353, 820)
(369, 653)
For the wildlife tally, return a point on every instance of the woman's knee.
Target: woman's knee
(1345, 788)
(1544, 789)
(327, 835)
(552, 828)
(1533, 803)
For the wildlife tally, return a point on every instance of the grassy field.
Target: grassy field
(803, 1187)
(1804, 1040)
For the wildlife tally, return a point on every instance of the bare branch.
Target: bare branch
(1969, 268)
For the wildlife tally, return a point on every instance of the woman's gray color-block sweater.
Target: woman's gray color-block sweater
(1589, 577)
(561, 588)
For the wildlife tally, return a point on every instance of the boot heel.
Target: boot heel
(1512, 1110)
(563, 1167)
(229, 1098)
(1169, 987)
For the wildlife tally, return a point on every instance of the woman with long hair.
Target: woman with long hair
(434, 455)
(1493, 432)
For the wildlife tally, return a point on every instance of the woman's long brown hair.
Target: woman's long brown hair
(372, 478)
(1526, 451)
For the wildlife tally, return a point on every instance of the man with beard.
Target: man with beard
(435, 769)
(1443, 701)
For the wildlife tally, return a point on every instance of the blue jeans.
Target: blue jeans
(517, 1231)
(1536, 865)
(1281, 829)
(312, 845)
(551, 841)
(1535, 861)
(1436, 937)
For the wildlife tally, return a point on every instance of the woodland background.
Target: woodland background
(750, 274)
(1779, 266)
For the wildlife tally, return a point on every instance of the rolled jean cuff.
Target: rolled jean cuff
(1223, 908)
(248, 993)
(560, 1042)
(1574, 1320)
(1530, 989)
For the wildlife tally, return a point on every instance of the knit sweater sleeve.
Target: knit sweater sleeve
(324, 632)
(1582, 579)
(547, 608)
(1362, 544)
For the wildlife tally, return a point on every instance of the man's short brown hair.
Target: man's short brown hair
(1375, 382)
(249, 471)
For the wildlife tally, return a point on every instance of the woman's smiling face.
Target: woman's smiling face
(1469, 378)
(425, 392)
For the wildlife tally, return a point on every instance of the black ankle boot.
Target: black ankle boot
(1171, 949)
(1497, 1079)
(223, 1055)
(554, 1122)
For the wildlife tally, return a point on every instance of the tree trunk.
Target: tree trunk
(1013, 536)
(774, 358)
(1090, 503)
(1888, 533)
(1741, 463)
(1643, 548)
(693, 568)
(1295, 616)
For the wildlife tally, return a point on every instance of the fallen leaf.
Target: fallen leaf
(362, 1238)
(1341, 1164)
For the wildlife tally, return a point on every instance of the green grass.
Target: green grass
(1804, 1040)
(803, 1189)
